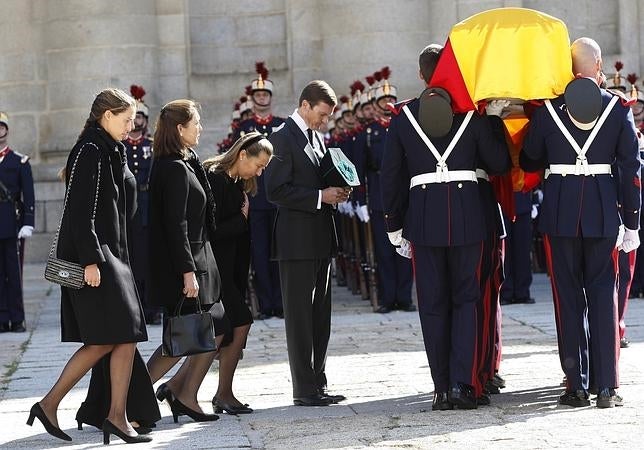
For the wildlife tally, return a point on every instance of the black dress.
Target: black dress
(110, 313)
(232, 246)
(179, 240)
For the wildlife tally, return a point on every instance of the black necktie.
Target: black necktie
(310, 134)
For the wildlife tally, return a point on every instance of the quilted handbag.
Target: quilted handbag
(60, 271)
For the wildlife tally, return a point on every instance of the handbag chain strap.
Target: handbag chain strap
(54, 244)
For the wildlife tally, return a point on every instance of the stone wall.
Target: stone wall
(56, 54)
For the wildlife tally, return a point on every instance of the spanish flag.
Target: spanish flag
(514, 53)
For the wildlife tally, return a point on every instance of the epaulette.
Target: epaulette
(279, 127)
(623, 98)
(24, 159)
(395, 109)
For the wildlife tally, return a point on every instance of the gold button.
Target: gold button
(136, 155)
(460, 185)
(134, 147)
(136, 163)
(424, 186)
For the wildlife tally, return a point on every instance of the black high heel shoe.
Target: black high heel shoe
(109, 428)
(164, 393)
(220, 406)
(179, 409)
(37, 411)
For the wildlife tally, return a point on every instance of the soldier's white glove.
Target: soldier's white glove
(620, 237)
(25, 232)
(631, 240)
(365, 213)
(495, 107)
(358, 211)
(395, 237)
(534, 212)
(341, 208)
(405, 249)
(350, 210)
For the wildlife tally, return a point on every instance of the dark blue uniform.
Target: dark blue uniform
(139, 160)
(517, 267)
(579, 218)
(395, 276)
(261, 217)
(445, 224)
(16, 211)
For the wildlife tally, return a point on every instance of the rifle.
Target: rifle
(348, 254)
(371, 266)
(358, 266)
(340, 262)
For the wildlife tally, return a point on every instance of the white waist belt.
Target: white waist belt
(578, 169)
(480, 173)
(444, 176)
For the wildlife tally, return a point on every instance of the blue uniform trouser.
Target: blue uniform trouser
(584, 286)
(267, 278)
(449, 289)
(11, 307)
(518, 271)
(395, 276)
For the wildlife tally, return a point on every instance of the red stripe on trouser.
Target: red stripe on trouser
(555, 294)
(477, 340)
(631, 269)
(615, 256)
(498, 337)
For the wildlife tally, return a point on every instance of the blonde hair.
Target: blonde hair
(254, 143)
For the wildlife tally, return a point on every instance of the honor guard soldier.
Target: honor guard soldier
(431, 203)
(395, 277)
(16, 224)
(637, 286)
(138, 147)
(576, 138)
(262, 213)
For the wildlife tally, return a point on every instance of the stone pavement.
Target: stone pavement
(377, 361)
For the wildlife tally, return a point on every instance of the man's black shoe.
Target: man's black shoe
(18, 327)
(312, 400)
(526, 300)
(575, 399)
(608, 398)
(440, 402)
(4, 327)
(498, 381)
(624, 342)
(263, 316)
(384, 309)
(462, 396)
(483, 400)
(491, 388)
(279, 313)
(506, 301)
(408, 307)
(337, 398)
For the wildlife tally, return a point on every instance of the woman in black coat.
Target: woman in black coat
(181, 260)
(232, 176)
(106, 314)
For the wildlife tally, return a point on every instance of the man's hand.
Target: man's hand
(495, 107)
(335, 195)
(395, 237)
(631, 240)
(25, 232)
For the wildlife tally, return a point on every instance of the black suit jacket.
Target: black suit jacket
(293, 182)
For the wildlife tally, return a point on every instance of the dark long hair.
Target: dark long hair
(110, 99)
(167, 140)
(254, 143)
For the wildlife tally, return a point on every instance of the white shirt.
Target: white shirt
(315, 145)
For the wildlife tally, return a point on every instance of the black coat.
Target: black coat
(178, 236)
(293, 183)
(231, 244)
(110, 313)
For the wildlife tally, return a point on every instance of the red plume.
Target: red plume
(385, 72)
(237, 105)
(249, 90)
(353, 88)
(259, 67)
(344, 99)
(359, 86)
(137, 92)
(370, 80)
(618, 65)
(632, 78)
(377, 76)
(242, 99)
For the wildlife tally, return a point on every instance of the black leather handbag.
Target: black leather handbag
(68, 273)
(188, 334)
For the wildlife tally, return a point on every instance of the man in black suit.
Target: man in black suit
(304, 239)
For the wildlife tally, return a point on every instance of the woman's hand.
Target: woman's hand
(190, 285)
(92, 275)
(245, 205)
